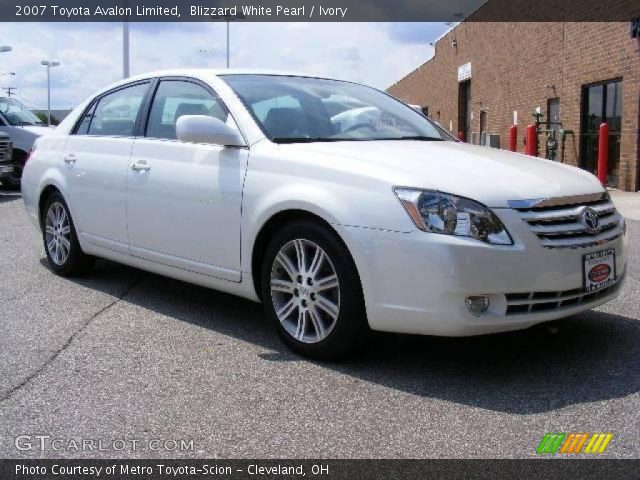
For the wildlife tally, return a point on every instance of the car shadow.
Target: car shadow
(586, 358)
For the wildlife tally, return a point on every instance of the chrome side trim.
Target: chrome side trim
(557, 201)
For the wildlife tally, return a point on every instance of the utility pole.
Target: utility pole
(9, 90)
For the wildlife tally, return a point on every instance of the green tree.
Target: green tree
(43, 118)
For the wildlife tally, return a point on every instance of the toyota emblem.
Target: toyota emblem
(590, 220)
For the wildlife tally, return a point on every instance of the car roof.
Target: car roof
(222, 71)
(208, 73)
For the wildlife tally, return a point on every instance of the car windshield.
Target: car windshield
(302, 109)
(17, 114)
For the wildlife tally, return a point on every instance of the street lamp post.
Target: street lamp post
(5, 48)
(49, 64)
(125, 49)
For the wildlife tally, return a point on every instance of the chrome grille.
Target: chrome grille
(5, 150)
(535, 302)
(558, 223)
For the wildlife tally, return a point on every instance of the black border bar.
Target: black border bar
(319, 469)
(318, 10)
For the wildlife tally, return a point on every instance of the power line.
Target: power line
(29, 103)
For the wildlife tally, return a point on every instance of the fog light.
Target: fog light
(477, 304)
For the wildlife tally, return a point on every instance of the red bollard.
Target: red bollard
(461, 136)
(513, 138)
(603, 153)
(532, 141)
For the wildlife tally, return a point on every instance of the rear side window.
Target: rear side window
(115, 114)
(175, 98)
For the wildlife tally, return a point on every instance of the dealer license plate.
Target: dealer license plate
(599, 270)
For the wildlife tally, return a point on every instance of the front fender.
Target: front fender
(259, 210)
(22, 139)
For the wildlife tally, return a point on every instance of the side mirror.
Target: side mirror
(205, 129)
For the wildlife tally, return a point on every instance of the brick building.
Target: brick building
(486, 75)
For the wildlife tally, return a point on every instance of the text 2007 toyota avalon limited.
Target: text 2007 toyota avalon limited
(337, 206)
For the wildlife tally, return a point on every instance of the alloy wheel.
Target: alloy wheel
(305, 291)
(58, 233)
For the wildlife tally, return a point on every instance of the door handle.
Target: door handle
(140, 166)
(70, 159)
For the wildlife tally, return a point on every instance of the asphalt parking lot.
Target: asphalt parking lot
(122, 354)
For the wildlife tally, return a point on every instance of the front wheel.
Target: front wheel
(13, 178)
(312, 293)
(60, 240)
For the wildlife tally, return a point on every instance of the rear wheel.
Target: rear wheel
(312, 293)
(60, 240)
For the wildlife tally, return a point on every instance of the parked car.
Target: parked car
(241, 181)
(23, 127)
(6, 150)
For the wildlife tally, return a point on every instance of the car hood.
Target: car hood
(36, 130)
(488, 175)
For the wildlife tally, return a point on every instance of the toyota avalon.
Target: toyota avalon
(340, 208)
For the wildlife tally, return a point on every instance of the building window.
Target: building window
(601, 103)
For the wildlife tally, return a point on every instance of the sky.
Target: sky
(376, 54)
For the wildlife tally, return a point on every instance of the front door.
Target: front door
(601, 103)
(184, 199)
(95, 163)
(464, 109)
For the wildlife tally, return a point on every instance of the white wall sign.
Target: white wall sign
(464, 72)
(515, 117)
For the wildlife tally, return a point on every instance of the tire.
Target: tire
(61, 245)
(12, 180)
(323, 318)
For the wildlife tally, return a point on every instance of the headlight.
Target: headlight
(446, 214)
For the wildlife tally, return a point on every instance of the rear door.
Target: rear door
(96, 161)
(184, 199)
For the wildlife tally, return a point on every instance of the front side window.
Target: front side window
(302, 109)
(85, 121)
(115, 114)
(175, 98)
(17, 114)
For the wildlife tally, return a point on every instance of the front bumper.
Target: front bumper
(417, 282)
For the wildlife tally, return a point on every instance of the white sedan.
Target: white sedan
(252, 183)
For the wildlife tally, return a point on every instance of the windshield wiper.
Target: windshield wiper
(349, 139)
(305, 139)
(20, 124)
(416, 137)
